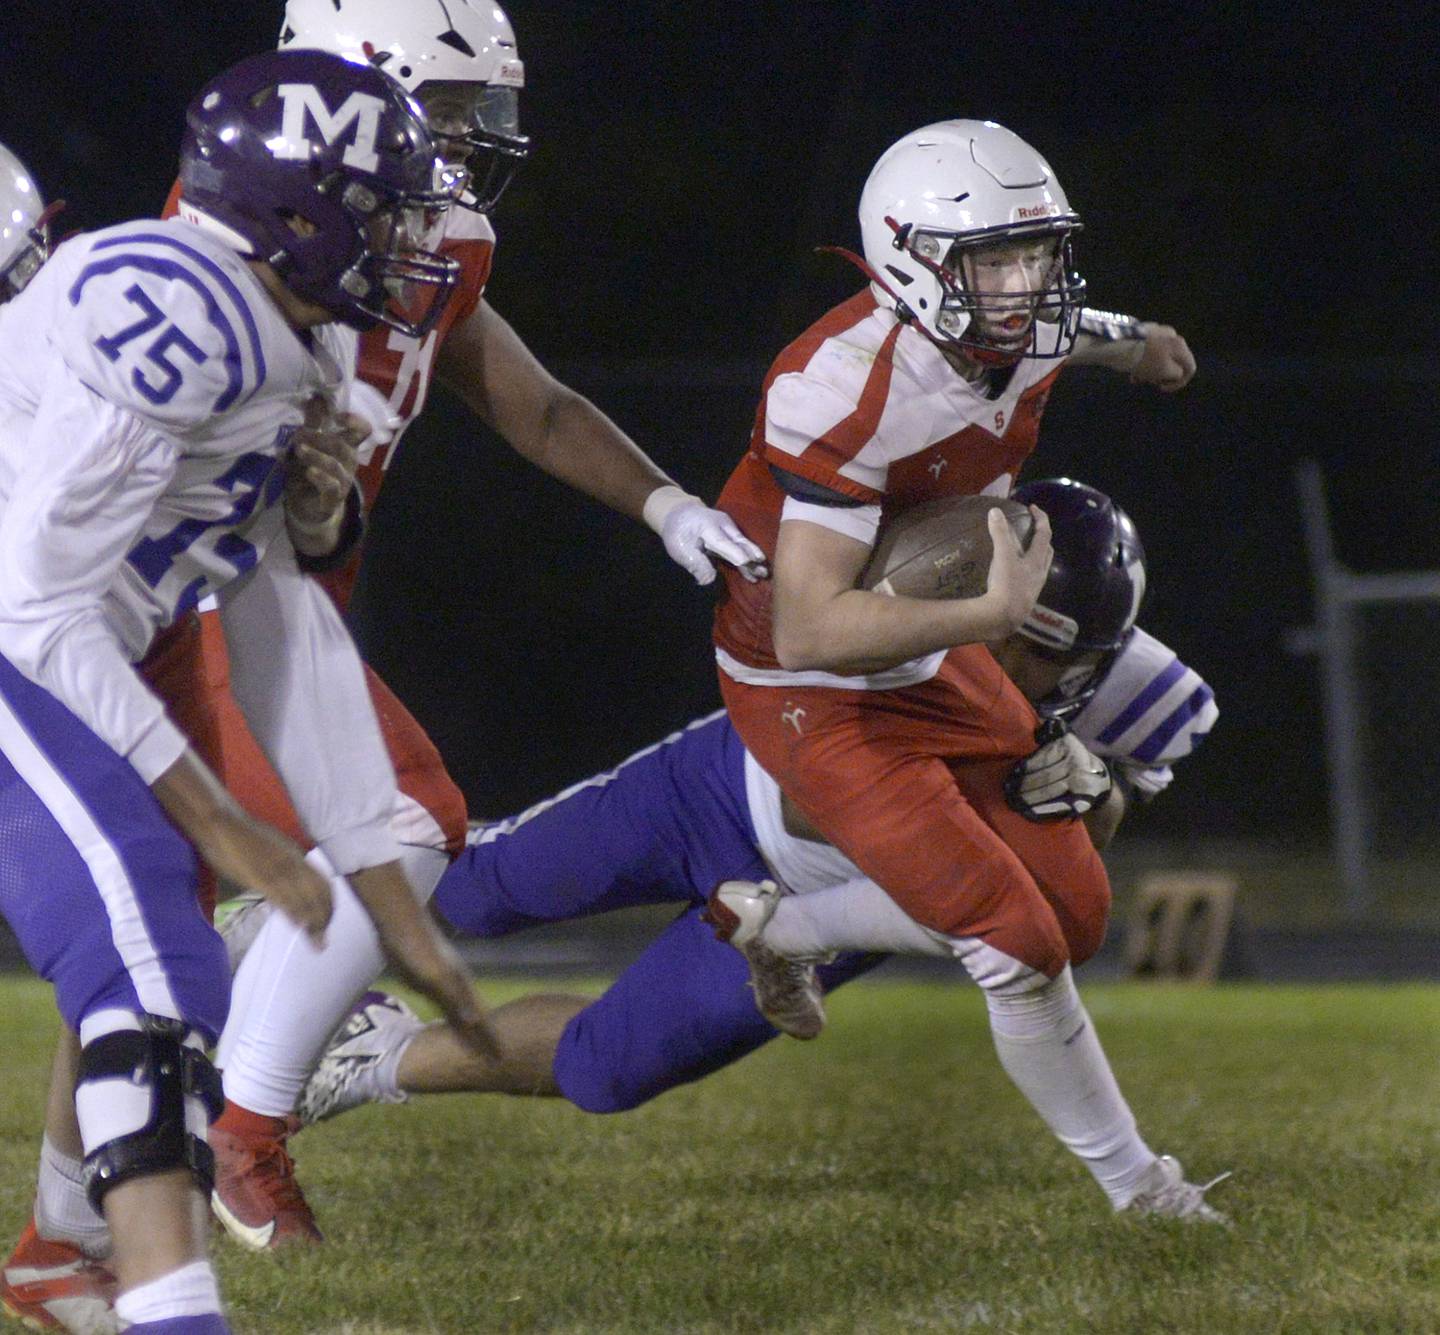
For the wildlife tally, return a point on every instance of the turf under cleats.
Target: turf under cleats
(1166, 1194)
(257, 1197)
(787, 992)
(55, 1286)
(346, 1075)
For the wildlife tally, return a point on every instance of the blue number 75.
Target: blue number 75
(172, 336)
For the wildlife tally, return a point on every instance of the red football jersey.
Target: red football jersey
(870, 408)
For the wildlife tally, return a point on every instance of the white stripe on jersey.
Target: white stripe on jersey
(1150, 711)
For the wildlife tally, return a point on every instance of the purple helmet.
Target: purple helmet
(324, 169)
(1093, 592)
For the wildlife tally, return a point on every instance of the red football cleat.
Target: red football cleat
(256, 1196)
(55, 1286)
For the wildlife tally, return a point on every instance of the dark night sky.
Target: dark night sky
(1261, 182)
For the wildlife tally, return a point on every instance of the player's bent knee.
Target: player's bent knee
(593, 1086)
(144, 1097)
(1086, 936)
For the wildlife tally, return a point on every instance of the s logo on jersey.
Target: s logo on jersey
(359, 109)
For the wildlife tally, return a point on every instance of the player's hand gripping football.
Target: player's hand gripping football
(319, 472)
(1165, 359)
(1016, 577)
(421, 956)
(1060, 779)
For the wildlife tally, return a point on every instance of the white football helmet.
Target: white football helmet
(466, 45)
(24, 237)
(939, 195)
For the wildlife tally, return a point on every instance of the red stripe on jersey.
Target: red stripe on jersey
(963, 463)
(838, 446)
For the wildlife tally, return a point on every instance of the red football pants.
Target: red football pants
(908, 785)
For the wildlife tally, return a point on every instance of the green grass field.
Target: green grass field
(885, 1178)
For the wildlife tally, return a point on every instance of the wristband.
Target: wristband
(352, 529)
(1110, 327)
(660, 502)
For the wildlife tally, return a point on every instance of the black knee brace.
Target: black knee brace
(154, 1057)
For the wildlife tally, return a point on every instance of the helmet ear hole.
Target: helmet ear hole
(297, 223)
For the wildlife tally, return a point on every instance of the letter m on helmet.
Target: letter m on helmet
(362, 110)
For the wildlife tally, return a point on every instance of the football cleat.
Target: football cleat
(787, 992)
(55, 1286)
(256, 1195)
(1166, 1194)
(239, 921)
(345, 1076)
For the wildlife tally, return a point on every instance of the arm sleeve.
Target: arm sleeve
(1149, 712)
(296, 675)
(92, 474)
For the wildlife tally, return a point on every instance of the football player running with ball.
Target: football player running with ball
(460, 62)
(161, 390)
(885, 720)
(694, 811)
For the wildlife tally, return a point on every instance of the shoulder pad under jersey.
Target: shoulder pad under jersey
(161, 321)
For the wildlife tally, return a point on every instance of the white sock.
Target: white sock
(63, 1212)
(857, 915)
(1049, 1048)
(189, 1291)
(289, 997)
(380, 1083)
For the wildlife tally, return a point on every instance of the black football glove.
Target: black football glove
(1059, 780)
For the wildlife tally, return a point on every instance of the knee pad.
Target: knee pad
(144, 1098)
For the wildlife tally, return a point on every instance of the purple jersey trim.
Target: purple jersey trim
(234, 361)
(1137, 707)
(1149, 751)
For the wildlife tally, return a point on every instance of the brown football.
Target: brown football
(941, 548)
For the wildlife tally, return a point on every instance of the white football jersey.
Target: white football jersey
(148, 388)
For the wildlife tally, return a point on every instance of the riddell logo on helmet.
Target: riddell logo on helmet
(1039, 211)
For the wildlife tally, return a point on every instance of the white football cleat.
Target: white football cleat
(345, 1076)
(239, 921)
(787, 992)
(1166, 1194)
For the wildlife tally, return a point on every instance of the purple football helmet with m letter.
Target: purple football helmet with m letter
(324, 169)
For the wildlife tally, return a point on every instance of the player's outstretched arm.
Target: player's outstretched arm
(1149, 353)
(822, 621)
(239, 848)
(562, 432)
(421, 956)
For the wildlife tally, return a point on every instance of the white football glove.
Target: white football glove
(692, 533)
(1061, 779)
